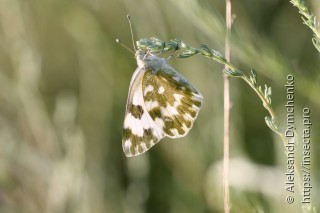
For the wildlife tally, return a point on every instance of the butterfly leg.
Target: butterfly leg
(175, 50)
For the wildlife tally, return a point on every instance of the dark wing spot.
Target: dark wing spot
(136, 111)
(197, 103)
(155, 113)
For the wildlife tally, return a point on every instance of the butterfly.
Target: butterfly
(161, 103)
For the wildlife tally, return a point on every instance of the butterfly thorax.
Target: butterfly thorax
(148, 60)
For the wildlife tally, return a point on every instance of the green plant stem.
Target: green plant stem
(247, 80)
(263, 99)
(310, 20)
(157, 46)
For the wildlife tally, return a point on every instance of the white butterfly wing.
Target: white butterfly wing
(140, 132)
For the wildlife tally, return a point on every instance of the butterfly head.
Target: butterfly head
(146, 59)
(140, 57)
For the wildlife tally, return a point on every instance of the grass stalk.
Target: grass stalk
(226, 117)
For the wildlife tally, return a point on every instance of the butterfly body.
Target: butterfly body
(161, 102)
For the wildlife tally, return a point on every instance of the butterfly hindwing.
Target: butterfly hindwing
(171, 101)
(140, 132)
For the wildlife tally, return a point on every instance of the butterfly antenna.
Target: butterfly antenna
(123, 45)
(132, 38)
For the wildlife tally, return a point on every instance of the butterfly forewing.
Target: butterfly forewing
(171, 101)
(140, 132)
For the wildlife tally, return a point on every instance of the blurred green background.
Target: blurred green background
(63, 88)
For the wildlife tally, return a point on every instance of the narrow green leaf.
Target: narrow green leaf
(271, 124)
(232, 72)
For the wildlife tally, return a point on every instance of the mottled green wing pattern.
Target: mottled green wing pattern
(171, 101)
